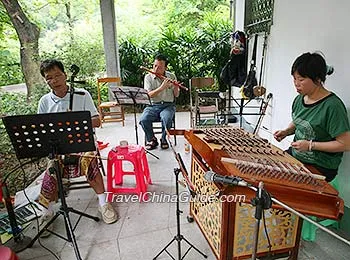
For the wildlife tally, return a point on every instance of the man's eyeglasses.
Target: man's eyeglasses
(54, 78)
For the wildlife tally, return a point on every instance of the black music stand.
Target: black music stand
(52, 135)
(132, 96)
(179, 237)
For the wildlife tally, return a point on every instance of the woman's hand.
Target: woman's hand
(280, 135)
(301, 145)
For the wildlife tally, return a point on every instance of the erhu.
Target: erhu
(174, 82)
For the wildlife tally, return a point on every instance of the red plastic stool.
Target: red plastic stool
(7, 254)
(136, 155)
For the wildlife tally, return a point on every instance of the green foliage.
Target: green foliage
(189, 13)
(215, 43)
(10, 68)
(197, 52)
(87, 55)
(17, 104)
(131, 58)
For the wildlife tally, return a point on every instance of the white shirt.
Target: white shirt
(50, 103)
(152, 82)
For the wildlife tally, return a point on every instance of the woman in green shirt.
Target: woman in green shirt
(319, 118)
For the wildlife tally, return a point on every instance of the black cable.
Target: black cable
(267, 234)
(36, 216)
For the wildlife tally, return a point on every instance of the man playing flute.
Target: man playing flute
(162, 92)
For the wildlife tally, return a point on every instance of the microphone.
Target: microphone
(211, 176)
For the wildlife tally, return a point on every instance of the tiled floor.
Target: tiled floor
(143, 229)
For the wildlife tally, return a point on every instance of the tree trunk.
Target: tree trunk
(70, 22)
(28, 34)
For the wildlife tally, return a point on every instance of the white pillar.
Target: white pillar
(110, 38)
(239, 15)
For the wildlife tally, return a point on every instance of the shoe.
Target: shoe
(152, 144)
(43, 221)
(109, 215)
(164, 144)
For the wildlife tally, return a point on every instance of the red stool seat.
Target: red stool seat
(136, 155)
(7, 254)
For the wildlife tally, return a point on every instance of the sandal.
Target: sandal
(151, 144)
(164, 144)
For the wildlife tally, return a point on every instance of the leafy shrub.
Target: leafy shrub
(131, 58)
(17, 104)
(10, 69)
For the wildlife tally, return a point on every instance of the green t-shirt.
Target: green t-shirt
(322, 121)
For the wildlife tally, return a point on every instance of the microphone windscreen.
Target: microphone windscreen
(209, 176)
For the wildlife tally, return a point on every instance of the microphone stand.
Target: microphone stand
(264, 201)
(179, 237)
(261, 201)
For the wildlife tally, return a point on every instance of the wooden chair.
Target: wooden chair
(110, 111)
(204, 104)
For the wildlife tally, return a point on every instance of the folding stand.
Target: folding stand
(132, 96)
(52, 135)
(241, 103)
(179, 237)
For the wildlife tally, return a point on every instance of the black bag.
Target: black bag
(249, 85)
(234, 72)
(251, 80)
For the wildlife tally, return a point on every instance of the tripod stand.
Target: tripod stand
(133, 96)
(179, 237)
(53, 134)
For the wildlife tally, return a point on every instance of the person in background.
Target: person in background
(319, 118)
(58, 100)
(162, 93)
